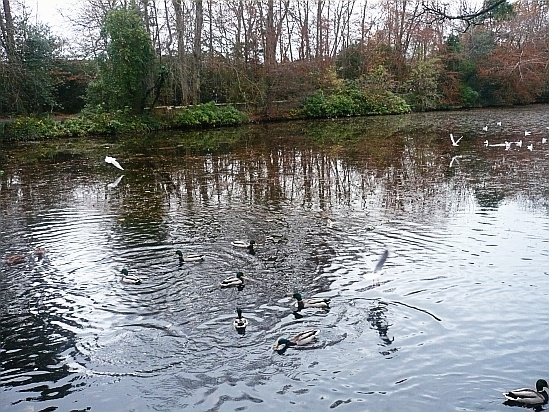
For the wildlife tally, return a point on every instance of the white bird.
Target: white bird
(519, 143)
(115, 183)
(378, 267)
(455, 142)
(543, 140)
(455, 158)
(498, 123)
(527, 133)
(507, 145)
(530, 147)
(486, 143)
(485, 128)
(113, 162)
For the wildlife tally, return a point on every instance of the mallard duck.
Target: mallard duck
(526, 396)
(245, 245)
(234, 281)
(240, 322)
(302, 338)
(127, 278)
(323, 303)
(15, 259)
(39, 252)
(189, 258)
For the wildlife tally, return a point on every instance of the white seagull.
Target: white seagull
(113, 162)
(530, 147)
(455, 158)
(455, 142)
(519, 143)
(544, 140)
(486, 143)
(485, 128)
(115, 183)
(379, 266)
(498, 123)
(527, 133)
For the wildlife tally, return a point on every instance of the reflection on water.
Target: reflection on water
(466, 228)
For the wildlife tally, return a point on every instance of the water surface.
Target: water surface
(458, 315)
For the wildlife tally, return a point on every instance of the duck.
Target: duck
(195, 257)
(15, 260)
(527, 396)
(240, 323)
(245, 245)
(323, 303)
(39, 252)
(302, 338)
(234, 281)
(131, 279)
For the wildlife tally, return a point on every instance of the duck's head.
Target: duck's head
(239, 313)
(297, 296)
(240, 275)
(179, 253)
(281, 344)
(124, 271)
(540, 384)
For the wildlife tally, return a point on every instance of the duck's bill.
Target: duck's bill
(276, 346)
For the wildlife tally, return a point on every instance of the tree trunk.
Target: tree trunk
(197, 52)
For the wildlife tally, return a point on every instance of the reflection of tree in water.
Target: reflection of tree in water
(377, 317)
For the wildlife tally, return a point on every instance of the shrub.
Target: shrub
(208, 115)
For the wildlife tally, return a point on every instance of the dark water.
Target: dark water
(459, 314)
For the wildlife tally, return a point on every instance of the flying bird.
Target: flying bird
(519, 143)
(113, 162)
(455, 142)
(543, 140)
(530, 147)
(485, 128)
(498, 123)
(527, 133)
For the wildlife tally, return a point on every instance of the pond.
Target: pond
(457, 315)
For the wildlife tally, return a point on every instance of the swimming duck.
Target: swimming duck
(245, 245)
(234, 281)
(15, 259)
(240, 322)
(526, 396)
(302, 338)
(39, 252)
(127, 278)
(189, 258)
(323, 303)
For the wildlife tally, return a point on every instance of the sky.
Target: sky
(52, 12)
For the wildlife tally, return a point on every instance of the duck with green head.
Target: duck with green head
(234, 281)
(240, 323)
(302, 338)
(244, 244)
(322, 303)
(527, 396)
(131, 279)
(195, 257)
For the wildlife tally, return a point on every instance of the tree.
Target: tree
(126, 69)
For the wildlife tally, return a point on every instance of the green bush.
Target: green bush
(208, 115)
(351, 100)
(31, 128)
